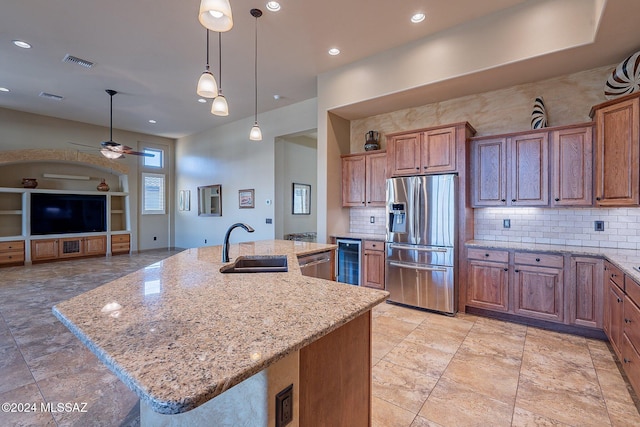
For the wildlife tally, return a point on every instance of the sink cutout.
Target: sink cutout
(258, 264)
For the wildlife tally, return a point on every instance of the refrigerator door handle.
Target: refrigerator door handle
(413, 248)
(416, 267)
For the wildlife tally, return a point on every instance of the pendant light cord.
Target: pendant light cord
(207, 67)
(220, 61)
(256, 71)
(111, 117)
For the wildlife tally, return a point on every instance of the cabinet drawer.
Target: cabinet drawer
(372, 245)
(632, 288)
(11, 257)
(488, 255)
(541, 259)
(631, 362)
(119, 247)
(612, 272)
(632, 322)
(119, 238)
(16, 245)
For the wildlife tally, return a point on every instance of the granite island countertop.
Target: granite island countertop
(179, 332)
(624, 259)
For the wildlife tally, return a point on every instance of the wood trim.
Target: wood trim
(526, 132)
(457, 125)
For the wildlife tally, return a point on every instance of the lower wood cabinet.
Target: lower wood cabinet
(488, 281)
(613, 310)
(12, 253)
(42, 250)
(584, 292)
(373, 264)
(95, 245)
(68, 247)
(539, 292)
(631, 332)
(120, 244)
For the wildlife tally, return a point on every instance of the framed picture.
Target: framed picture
(246, 199)
(301, 199)
(184, 200)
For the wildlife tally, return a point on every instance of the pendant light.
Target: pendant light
(207, 86)
(219, 107)
(256, 133)
(216, 15)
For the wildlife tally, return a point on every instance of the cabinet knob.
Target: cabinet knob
(627, 320)
(513, 200)
(418, 168)
(598, 198)
(373, 245)
(619, 300)
(505, 269)
(537, 259)
(626, 360)
(363, 203)
(557, 199)
(369, 202)
(517, 271)
(503, 200)
(12, 257)
(486, 255)
(426, 167)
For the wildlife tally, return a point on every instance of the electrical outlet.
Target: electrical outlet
(598, 225)
(506, 223)
(284, 407)
(155, 238)
(372, 219)
(205, 241)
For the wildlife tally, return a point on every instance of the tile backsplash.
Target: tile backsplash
(561, 226)
(360, 220)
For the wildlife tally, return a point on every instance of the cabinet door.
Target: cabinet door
(617, 154)
(631, 362)
(44, 249)
(95, 245)
(585, 292)
(488, 285)
(353, 181)
(571, 169)
(539, 292)
(376, 175)
(403, 154)
(438, 150)
(529, 169)
(489, 172)
(614, 315)
(71, 247)
(374, 268)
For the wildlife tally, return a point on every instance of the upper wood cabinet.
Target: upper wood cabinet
(422, 152)
(617, 156)
(510, 170)
(363, 179)
(571, 166)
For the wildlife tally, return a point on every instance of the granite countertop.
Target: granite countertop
(360, 236)
(625, 259)
(179, 332)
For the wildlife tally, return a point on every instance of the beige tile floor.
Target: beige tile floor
(432, 370)
(429, 370)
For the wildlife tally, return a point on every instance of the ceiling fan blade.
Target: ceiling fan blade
(82, 145)
(137, 153)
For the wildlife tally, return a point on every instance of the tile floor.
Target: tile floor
(429, 370)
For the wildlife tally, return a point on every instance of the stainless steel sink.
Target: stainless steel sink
(257, 264)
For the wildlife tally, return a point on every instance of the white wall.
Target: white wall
(19, 130)
(225, 155)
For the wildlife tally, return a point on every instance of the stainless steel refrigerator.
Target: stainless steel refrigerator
(421, 236)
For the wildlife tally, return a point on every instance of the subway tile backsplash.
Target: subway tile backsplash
(360, 220)
(561, 226)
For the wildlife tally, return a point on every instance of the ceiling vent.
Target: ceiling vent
(51, 96)
(79, 61)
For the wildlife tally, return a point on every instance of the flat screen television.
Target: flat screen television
(67, 213)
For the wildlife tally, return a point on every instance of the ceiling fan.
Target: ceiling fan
(111, 149)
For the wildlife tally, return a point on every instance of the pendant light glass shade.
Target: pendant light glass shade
(111, 154)
(219, 107)
(216, 15)
(207, 86)
(256, 133)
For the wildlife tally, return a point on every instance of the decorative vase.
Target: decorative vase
(372, 139)
(29, 182)
(103, 186)
(539, 114)
(625, 78)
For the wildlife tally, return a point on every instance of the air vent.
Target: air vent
(75, 60)
(51, 96)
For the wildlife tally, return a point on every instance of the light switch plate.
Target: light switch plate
(506, 223)
(598, 225)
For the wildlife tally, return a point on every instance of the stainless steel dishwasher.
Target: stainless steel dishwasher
(317, 265)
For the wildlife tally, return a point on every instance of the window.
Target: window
(153, 193)
(157, 161)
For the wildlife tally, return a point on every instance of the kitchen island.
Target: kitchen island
(183, 335)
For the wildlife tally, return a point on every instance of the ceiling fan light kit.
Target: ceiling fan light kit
(216, 15)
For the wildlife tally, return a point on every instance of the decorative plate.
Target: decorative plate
(625, 78)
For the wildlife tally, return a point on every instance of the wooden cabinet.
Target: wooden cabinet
(12, 253)
(363, 179)
(511, 170)
(120, 244)
(374, 264)
(571, 166)
(614, 307)
(488, 279)
(617, 155)
(539, 292)
(95, 245)
(631, 332)
(44, 249)
(428, 151)
(585, 292)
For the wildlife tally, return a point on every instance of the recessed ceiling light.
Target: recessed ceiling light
(334, 51)
(152, 121)
(4, 89)
(273, 6)
(418, 17)
(22, 44)
(202, 100)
